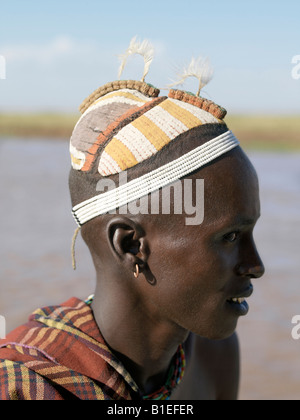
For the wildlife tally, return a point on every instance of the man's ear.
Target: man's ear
(128, 242)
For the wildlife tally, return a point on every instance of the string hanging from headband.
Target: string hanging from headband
(76, 233)
(144, 48)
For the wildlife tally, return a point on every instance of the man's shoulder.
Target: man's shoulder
(212, 371)
(28, 370)
(221, 359)
(18, 382)
(53, 357)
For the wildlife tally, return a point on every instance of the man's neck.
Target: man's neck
(144, 344)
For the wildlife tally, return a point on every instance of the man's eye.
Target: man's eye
(232, 237)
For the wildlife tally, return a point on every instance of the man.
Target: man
(170, 287)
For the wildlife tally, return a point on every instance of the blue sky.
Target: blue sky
(58, 52)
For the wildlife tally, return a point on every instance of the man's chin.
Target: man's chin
(220, 333)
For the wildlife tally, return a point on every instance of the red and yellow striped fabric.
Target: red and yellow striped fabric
(43, 359)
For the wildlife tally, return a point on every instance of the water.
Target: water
(36, 231)
(270, 357)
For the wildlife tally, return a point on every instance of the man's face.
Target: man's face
(204, 271)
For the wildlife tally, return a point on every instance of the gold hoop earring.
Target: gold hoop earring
(137, 271)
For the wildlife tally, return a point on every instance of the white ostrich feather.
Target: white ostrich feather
(144, 48)
(199, 68)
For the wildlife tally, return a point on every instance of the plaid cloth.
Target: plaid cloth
(60, 355)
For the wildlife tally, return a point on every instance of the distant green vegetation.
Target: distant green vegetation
(264, 132)
(37, 125)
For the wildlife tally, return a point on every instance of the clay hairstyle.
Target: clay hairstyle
(127, 127)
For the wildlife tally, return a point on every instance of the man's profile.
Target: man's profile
(161, 322)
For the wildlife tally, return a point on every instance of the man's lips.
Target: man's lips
(239, 296)
(237, 304)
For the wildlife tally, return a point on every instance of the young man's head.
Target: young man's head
(184, 255)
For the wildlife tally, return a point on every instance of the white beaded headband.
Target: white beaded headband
(153, 181)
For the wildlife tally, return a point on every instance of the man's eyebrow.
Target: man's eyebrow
(244, 221)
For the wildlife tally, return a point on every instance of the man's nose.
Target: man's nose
(251, 264)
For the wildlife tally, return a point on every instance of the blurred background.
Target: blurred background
(54, 54)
